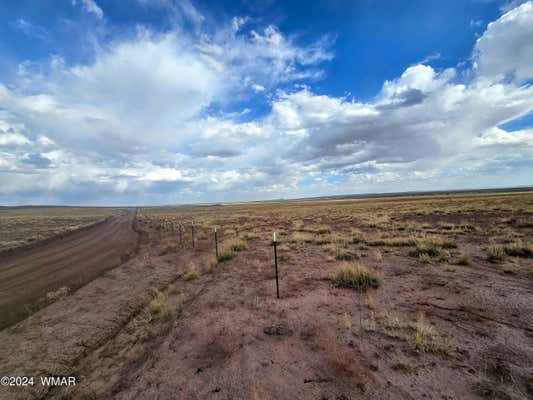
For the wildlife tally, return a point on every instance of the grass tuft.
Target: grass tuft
(426, 337)
(519, 249)
(301, 237)
(428, 249)
(235, 244)
(159, 307)
(229, 249)
(192, 272)
(58, 294)
(355, 277)
(495, 253)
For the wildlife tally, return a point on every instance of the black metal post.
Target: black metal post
(216, 243)
(276, 264)
(192, 234)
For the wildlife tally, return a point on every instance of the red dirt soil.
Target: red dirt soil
(27, 275)
(230, 338)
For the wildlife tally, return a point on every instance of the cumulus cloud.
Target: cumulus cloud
(506, 47)
(13, 139)
(145, 120)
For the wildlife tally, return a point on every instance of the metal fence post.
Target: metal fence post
(276, 264)
(192, 233)
(216, 243)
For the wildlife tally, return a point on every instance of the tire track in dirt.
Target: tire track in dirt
(58, 338)
(72, 261)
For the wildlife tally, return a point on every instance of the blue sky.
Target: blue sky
(167, 101)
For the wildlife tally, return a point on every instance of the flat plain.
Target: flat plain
(22, 226)
(380, 298)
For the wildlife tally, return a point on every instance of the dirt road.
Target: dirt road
(26, 276)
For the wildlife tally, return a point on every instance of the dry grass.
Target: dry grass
(301, 237)
(159, 307)
(463, 260)
(420, 334)
(357, 236)
(339, 252)
(230, 232)
(426, 337)
(235, 244)
(393, 326)
(432, 248)
(525, 222)
(318, 229)
(192, 272)
(58, 294)
(225, 254)
(515, 248)
(495, 253)
(250, 236)
(392, 242)
(339, 248)
(519, 249)
(355, 277)
(229, 249)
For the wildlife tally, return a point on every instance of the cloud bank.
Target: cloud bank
(158, 118)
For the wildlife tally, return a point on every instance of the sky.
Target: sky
(148, 102)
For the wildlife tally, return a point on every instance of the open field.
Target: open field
(407, 297)
(22, 226)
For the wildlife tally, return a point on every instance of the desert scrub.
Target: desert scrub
(339, 252)
(339, 248)
(495, 253)
(463, 260)
(357, 236)
(297, 224)
(301, 237)
(229, 249)
(235, 244)
(427, 249)
(58, 294)
(516, 248)
(323, 239)
(426, 337)
(392, 242)
(192, 272)
(230, 232)
(250, 236)
(318, 229)
(225, 254)
(519, 249)
(355, 277)
(158, 307)
(524, 222)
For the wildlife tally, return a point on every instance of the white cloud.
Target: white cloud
(506, 47)
(13, 139)
(163, 174)
(92, 8)
(258, 88)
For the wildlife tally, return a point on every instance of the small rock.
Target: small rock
(277, 330)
